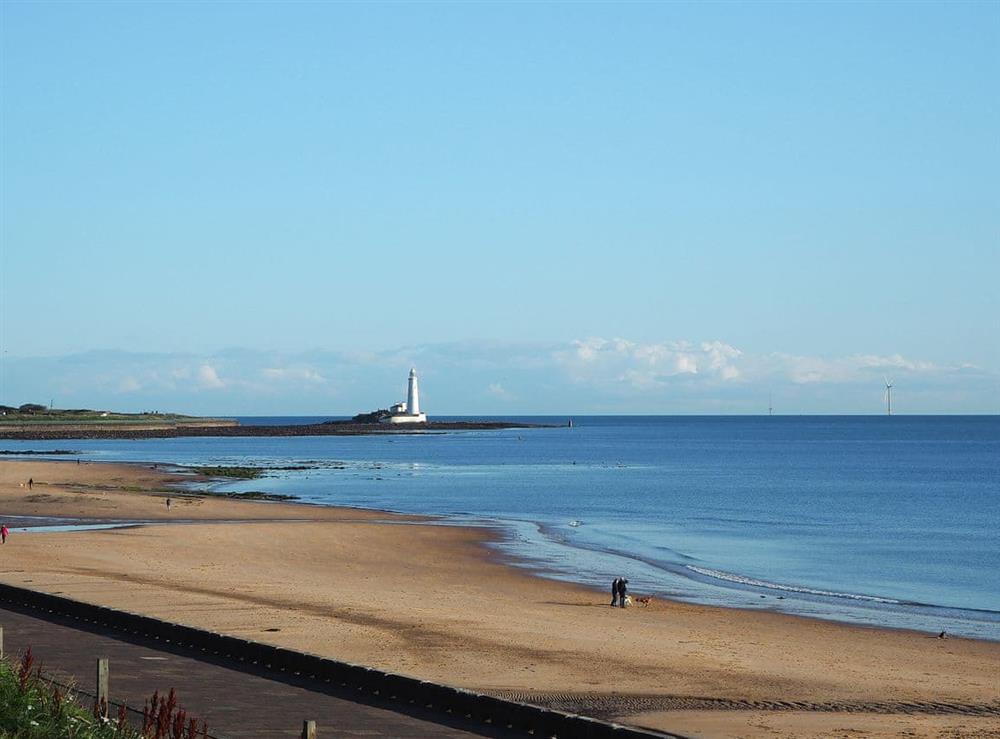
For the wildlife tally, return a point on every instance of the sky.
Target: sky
(268, 208)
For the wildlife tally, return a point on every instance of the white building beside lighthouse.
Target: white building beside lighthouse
(408, 412)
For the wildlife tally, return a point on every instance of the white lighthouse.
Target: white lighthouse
(408, 412)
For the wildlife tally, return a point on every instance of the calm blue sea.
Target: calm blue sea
(880, 520)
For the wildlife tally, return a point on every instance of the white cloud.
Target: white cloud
(293, 374)
(685, 364)
(129, 385)
(720, 358)
(208, 378)
(645, 366)
(729, 372)
(804, 370)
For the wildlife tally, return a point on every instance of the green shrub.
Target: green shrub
(33, 708)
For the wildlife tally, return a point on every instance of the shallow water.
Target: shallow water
(887, 521)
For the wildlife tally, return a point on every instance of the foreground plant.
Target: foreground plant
(162, 719)
(33, 708)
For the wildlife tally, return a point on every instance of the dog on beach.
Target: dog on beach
(627, 602)
(643, 601)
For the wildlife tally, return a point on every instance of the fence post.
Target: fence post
(102, 686)
(308, 730)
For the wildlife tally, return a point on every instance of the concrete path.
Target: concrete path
(235, 702)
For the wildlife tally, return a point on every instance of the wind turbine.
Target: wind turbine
(888, 396)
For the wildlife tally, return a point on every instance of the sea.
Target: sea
(887, 521)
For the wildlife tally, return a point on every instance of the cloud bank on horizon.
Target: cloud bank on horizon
(584, 376)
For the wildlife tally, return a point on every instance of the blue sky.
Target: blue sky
(243, 207)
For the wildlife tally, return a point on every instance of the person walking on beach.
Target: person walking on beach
(30, 483)
(614, 592)
(4, 531)
(622, 591)
(168, 504)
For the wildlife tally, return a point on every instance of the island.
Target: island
(36, 422)
(33, 422)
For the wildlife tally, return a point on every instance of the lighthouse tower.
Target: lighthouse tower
(408, 412)
(412, 394)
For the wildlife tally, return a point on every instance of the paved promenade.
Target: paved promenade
(236, 703)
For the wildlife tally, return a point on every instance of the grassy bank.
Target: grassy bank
(39, 415)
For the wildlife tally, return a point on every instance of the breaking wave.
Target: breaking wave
(743, 580)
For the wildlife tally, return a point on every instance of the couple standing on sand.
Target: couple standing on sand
(619, 589)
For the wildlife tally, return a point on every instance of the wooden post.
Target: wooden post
(102, 685)
(308, 730)
(1, 642)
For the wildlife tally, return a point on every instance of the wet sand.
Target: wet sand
(436, 602)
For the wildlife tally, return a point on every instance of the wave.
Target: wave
(701, 573)
(754, 582)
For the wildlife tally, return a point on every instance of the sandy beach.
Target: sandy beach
(433, 601)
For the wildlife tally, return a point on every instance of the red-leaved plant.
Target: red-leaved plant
(24, 670)
(162, 719)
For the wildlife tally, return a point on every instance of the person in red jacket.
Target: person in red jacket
(4, 531)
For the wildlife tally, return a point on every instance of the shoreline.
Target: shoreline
(496, 536)
(439, 602)
(497, 539)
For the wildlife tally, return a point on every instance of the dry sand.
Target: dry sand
(434, 602)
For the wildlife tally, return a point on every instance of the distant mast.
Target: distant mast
(888, 397)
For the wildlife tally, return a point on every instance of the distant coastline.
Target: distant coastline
(215, 427)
